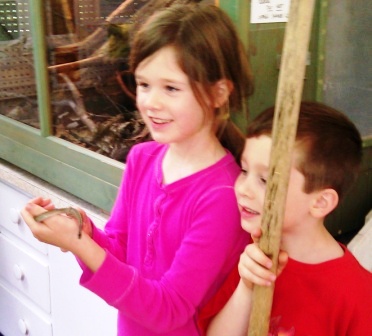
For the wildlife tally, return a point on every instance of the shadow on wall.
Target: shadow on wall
(345, 222)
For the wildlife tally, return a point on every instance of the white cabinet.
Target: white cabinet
(40, 293)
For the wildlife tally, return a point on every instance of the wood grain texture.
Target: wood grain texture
(288, 98)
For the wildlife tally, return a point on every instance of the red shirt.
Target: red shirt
(218, 301)
(333, 298)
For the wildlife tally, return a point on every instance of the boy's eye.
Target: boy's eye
(243, 171)
(263, 180)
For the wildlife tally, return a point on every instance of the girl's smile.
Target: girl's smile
(158, 124)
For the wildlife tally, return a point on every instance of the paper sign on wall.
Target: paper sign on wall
(266, 11)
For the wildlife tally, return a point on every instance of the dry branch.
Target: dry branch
(80, 107)
(71, 66)
(97, 37)
(67, 15)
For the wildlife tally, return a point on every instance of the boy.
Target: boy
(322, 290)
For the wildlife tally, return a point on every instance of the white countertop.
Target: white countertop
(34, 186)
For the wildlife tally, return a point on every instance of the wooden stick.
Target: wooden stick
(288, 99)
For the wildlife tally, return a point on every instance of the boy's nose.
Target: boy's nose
(244, 188)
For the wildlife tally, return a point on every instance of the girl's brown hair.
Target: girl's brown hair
(208, 50)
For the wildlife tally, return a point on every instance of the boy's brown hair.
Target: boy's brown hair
(328, 146)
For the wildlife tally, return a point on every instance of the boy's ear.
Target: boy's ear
(221, 92)
(325, 202)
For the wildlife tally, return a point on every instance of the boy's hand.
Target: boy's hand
(254, 266)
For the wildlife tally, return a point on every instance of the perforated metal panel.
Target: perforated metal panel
(89, 29)
(17, 77)
(16, 61)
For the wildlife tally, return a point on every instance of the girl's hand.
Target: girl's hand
(87, 223)
(45, 203)
(58, 230)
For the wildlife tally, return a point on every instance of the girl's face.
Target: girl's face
(167, 102)
(250, 187)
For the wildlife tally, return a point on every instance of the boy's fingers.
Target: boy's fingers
(255, 253)
(251, 267)
(255, 275)
(256, 235)
(282, 261)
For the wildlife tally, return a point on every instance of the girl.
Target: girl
(174, 232)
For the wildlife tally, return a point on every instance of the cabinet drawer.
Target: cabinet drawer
(25, 272)
(12, 201)
(17, 318)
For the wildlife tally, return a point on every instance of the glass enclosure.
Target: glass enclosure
(67, 111)
(87, 48)
(91, 93)
(92, 97)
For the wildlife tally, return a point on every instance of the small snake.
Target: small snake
(68, 211)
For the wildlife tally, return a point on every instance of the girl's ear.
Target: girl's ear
(221, 92)
(325, 201)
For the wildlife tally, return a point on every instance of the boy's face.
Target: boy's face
(250, 188)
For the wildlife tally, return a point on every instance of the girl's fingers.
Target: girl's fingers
(87, 224)
(58, 230)
(41, 201)
(28, 214)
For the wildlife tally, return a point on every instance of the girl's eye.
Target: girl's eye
(142, 85)
(171, 88)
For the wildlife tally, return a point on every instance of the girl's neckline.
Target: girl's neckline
(186, 179)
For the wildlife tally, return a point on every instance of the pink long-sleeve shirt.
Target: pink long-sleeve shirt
(168, 246)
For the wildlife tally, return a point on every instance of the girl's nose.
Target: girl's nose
(153, 101)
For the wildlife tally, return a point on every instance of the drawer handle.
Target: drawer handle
(22, 326)
(18, 272)
(15, 216)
